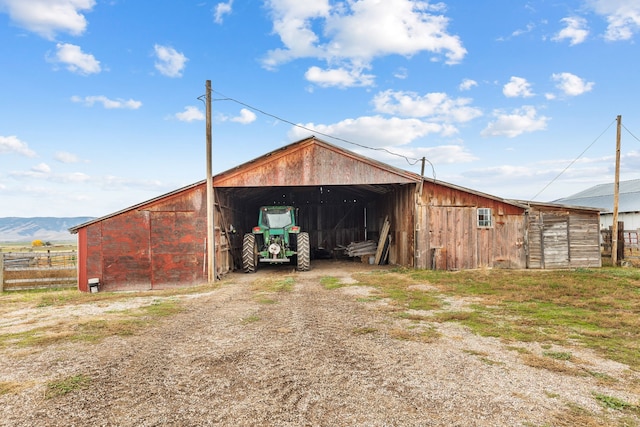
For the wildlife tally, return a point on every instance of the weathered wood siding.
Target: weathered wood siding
(452, 239)
(312, 163)
(563, 238)
(399, 206)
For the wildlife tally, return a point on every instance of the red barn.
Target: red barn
(341, 197)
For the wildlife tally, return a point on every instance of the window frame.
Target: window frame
(487, 218)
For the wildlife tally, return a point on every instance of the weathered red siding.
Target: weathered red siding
(453, 240)
(312, 162)
(157, 245)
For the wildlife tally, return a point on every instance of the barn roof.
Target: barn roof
(311, 162)
(601, 196)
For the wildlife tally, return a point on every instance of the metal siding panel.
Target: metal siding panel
(82, 260)
(177, 248)
(93, 260)
(126, 255)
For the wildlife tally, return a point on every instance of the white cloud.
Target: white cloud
(190, 114)
(575, 30)
(42, 168)
(529, 28)
(623, 17)
(108, 103)
(245, 117)
(436, 106)
(11, 144)
(170, 62)
(517, 87)
(349, 35)
(339, 77)
(571, 85)
(377, 131)
(467, 84)
(71, 177)
(65, 157)
(47, 17)
(521, 120)
(76, 60)
(221, 10)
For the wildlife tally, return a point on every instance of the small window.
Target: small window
(484, 217)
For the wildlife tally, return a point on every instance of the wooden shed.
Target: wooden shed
(340, 197)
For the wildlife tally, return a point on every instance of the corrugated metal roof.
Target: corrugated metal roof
(601, 196)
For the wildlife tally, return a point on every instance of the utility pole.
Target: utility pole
(211, 259)
(616, 199)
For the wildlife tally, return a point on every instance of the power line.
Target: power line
(410, 160)
(573, 161)
(625, 128)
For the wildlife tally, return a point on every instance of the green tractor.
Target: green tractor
(276, 239)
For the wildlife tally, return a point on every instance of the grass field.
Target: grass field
(595, 308)
(27, 247)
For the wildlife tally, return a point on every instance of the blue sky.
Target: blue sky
(99, 104)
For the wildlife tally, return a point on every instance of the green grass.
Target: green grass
(611, 402)
(398, 288)
(66, 386)
(274, 284)
(558, 355)
(331, 282)
(598, 308)
(251, 319)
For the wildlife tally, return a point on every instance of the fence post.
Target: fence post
(1, 273)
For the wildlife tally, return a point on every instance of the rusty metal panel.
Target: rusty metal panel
(126, 252)
(177, 248)
(92, 255)
(314, 163)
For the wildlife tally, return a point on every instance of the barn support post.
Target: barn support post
(211, 260)
(616, 198)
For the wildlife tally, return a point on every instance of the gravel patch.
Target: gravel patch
(315, 357)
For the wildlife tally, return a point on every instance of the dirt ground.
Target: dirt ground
(315, 357)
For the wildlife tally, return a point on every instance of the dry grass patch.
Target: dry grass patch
(11, 387)
(71, 329)
(273, 284)
(550, 364)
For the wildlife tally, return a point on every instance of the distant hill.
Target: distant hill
(47, 229)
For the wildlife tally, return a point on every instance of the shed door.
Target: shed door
(453, 238)
(555, 241)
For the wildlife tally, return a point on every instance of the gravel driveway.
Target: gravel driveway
(315, 357)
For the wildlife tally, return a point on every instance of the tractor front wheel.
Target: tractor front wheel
(303, 256)
(249, 253)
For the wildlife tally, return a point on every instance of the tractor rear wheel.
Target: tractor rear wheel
(304, 253)
(249, 254)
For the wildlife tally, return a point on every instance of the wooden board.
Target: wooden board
(383, 238)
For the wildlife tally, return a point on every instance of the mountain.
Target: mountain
(47, 229)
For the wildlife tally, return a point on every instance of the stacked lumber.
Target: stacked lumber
(356, 249)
